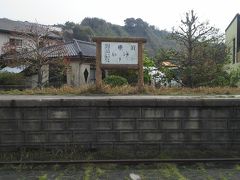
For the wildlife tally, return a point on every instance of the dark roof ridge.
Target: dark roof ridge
(84, 42)
(78, 47)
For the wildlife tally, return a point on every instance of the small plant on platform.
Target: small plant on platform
(114, 80)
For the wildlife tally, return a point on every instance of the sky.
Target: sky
(164, 14)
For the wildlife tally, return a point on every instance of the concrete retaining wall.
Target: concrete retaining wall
(120, 122)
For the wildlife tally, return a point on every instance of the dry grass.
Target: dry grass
(126, 90)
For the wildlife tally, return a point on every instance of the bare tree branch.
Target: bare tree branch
(34, 52)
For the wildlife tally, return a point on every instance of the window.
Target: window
(15, 42)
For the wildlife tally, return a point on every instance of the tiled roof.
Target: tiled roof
(8, 25)
(86, 48)
(72, 49)
(75, 48)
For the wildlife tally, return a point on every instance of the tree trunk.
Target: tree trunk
(190, 63)
(39, 82)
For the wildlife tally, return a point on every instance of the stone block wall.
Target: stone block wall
(120, 122)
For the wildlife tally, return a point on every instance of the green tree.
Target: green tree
(76, 31)
(133, 27)
(166, 55)
(202, 53)
(83, 33)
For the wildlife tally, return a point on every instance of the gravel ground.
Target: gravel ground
(122, 172)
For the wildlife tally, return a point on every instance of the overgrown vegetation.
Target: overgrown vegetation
(126, 90)
(116, 171)
(80, 152)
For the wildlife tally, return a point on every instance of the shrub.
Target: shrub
(114, 80)
(7, 78)
(129, 74)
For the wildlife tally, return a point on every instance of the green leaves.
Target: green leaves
(114, 80)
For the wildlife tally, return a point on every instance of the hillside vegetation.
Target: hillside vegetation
(90, 27)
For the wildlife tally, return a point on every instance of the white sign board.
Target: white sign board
(119, 53)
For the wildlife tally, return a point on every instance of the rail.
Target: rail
(124, 161)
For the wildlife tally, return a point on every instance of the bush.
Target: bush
(129, 74)
(114, 80)
(7, 78)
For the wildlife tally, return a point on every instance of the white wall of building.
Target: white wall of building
(84, 67)
(231, 34)
(75, 74)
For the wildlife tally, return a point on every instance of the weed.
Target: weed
(237, 167)
(125, 90)
(210, 178)
(127, 178)
(43, 177)
(222, 177)
(100, 172)
(56, 167)
(60, 176)
(171, 171)
(88, 172)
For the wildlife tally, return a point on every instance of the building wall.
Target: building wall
(75, 73)
(231, 34)
(4, 38)
(84, 67)
(136, 123)
(26, 43)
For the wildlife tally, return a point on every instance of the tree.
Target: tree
(196, 39)
(166, 55)
(33, 52)
(73, 30)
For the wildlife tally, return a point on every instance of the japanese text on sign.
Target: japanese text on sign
(119, 53)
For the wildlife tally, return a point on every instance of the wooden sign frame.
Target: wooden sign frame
(138, 66)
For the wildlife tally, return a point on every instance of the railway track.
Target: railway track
(125, 161)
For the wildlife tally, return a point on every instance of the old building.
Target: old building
(233, 39)
(18, 37)
(80, 57)
(13, 32)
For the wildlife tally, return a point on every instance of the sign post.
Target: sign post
(119, 53)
